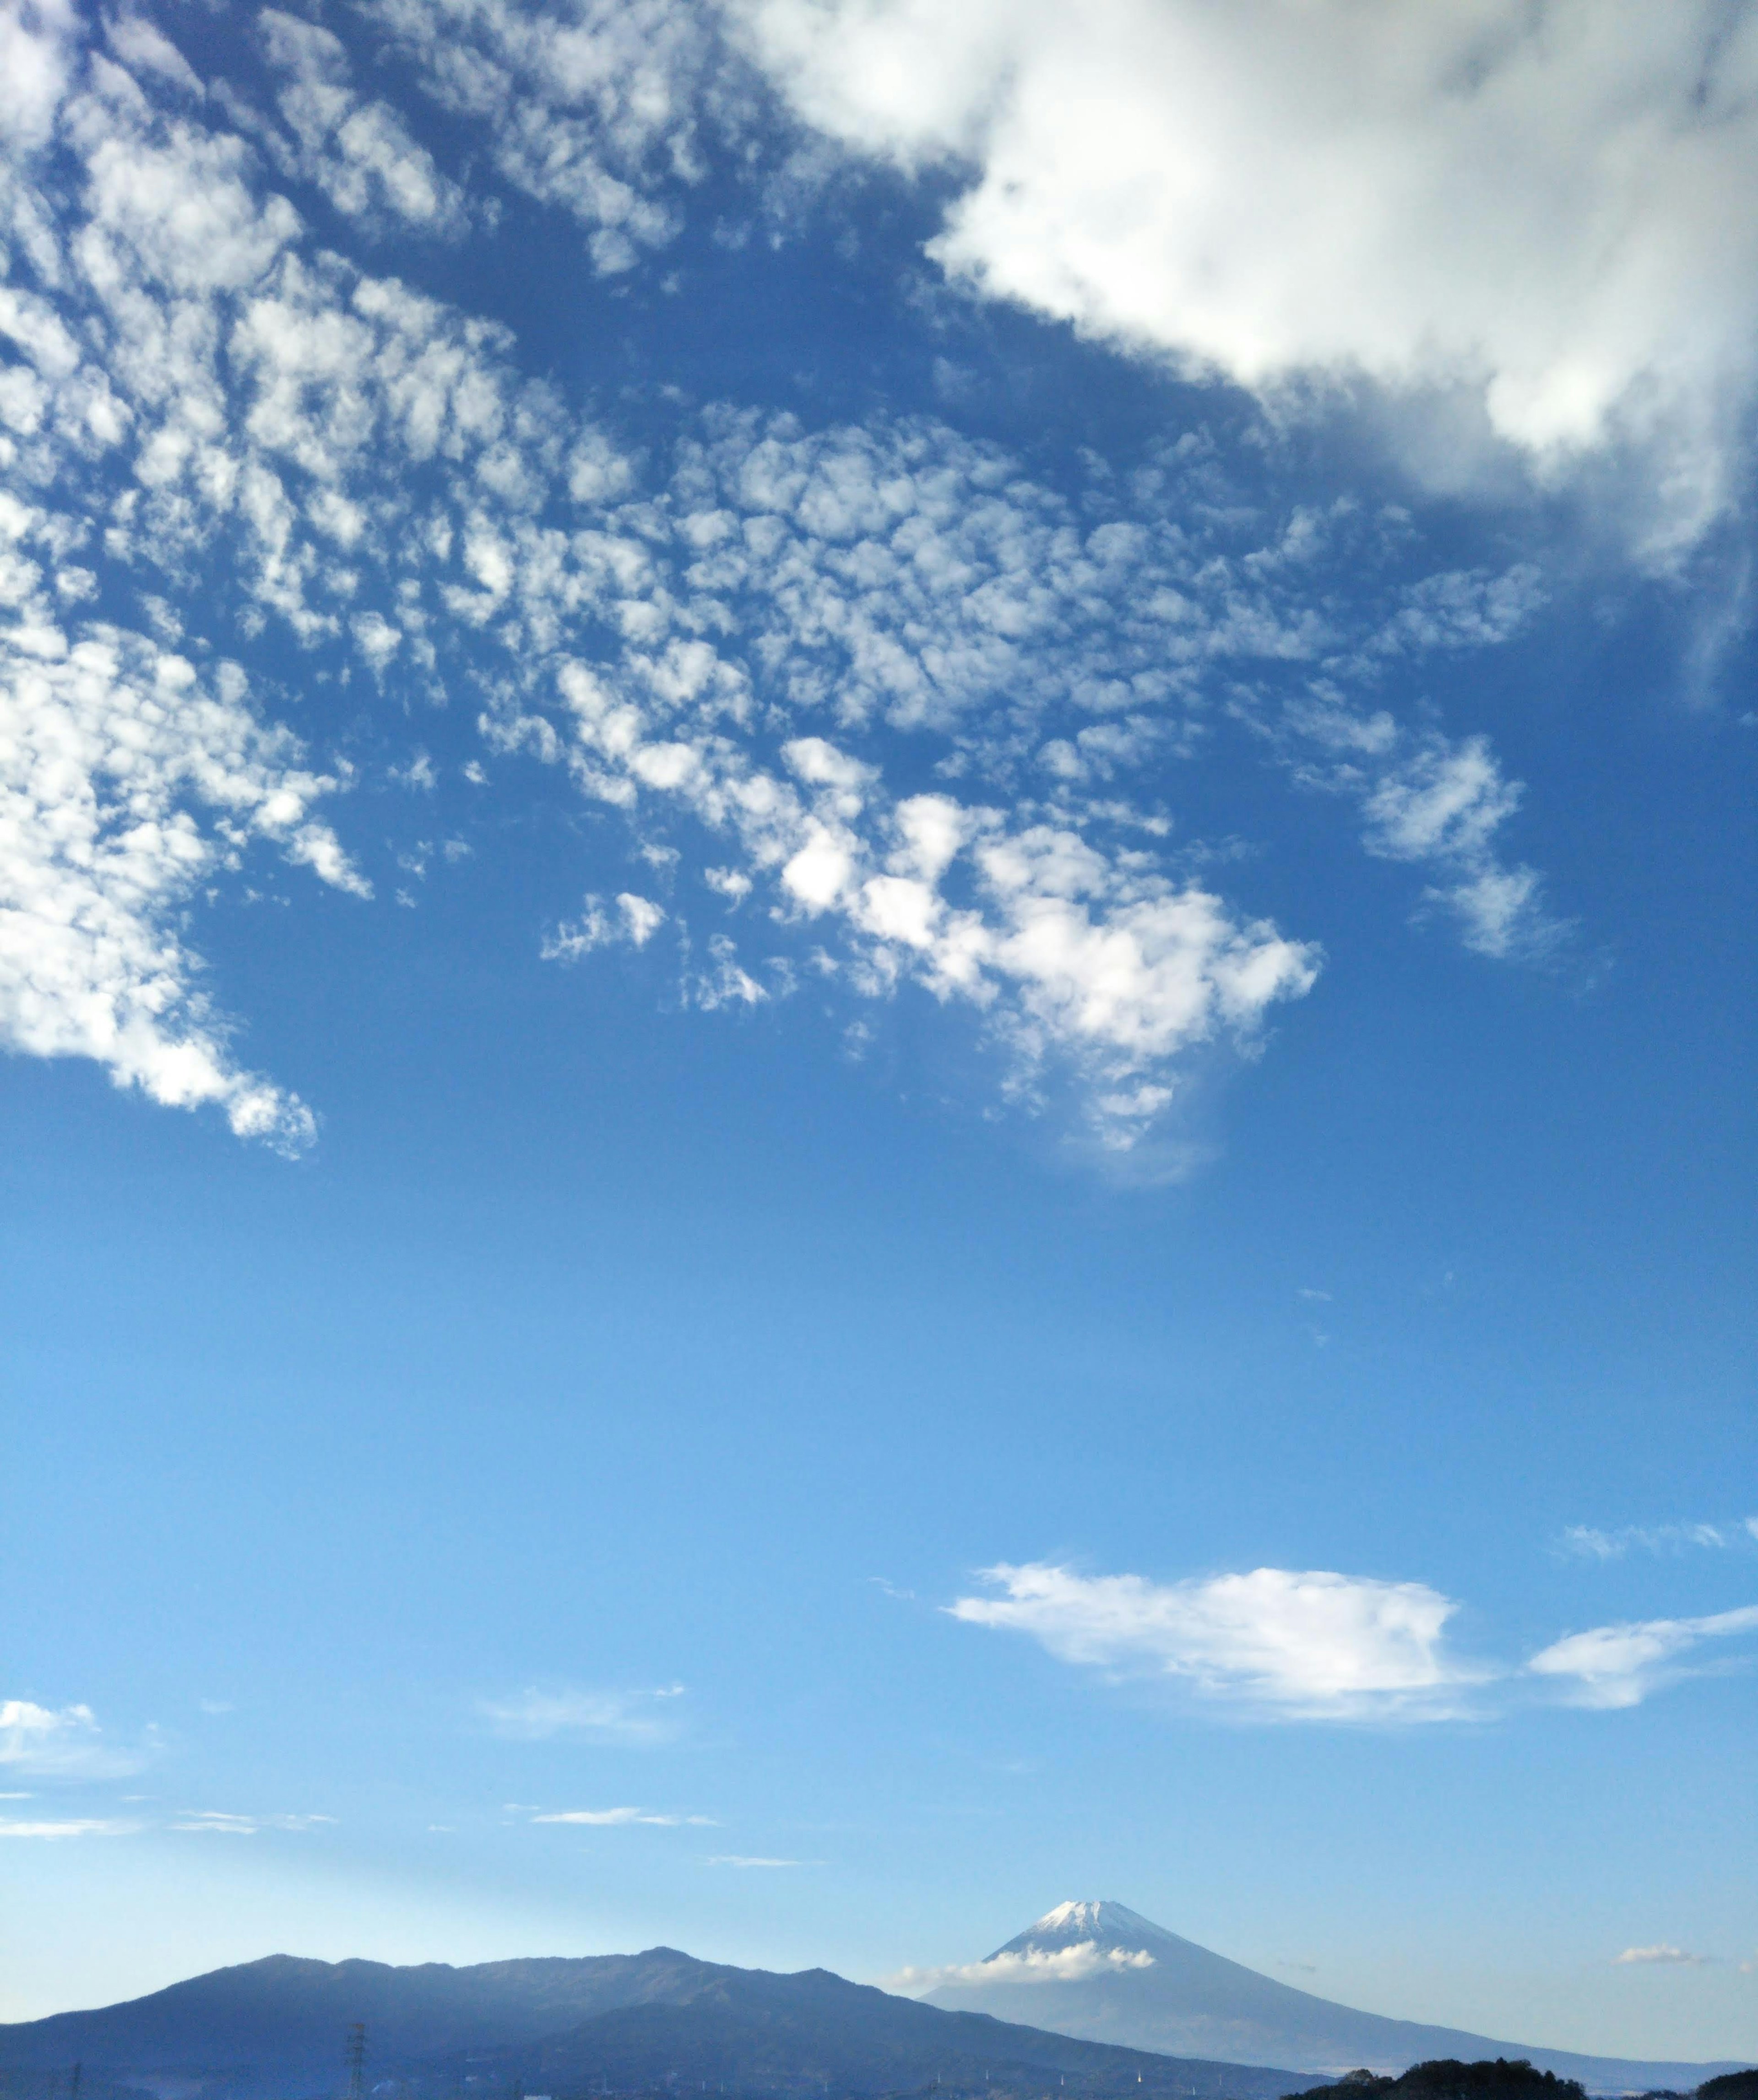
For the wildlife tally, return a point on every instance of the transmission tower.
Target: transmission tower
(356, 2061)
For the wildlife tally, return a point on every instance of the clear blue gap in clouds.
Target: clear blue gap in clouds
(602, 1345)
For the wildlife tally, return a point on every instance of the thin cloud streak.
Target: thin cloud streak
(747, 1859)
(607, 1819)
(68, 1827)
(1587, 1543)
(631, 1718)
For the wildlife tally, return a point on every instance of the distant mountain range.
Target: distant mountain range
(274, 2029)
(1101, 1971)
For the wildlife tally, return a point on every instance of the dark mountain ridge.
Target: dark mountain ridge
(273, 2030)
(285, 2011)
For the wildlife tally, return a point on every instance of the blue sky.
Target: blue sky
(878, 977)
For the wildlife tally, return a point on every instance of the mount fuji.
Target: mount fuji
(1101, 1971)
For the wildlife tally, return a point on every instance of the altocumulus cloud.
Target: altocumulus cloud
(757, 643)
(1318, 1646)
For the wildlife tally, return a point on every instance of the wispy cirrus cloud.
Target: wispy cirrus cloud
(749, 1860)
(539, 1715)
(222, 1823)
(71, 1826)
(1589, 1542)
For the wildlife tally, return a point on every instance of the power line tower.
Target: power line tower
(356, 2061)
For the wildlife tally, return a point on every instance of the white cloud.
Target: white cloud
(615, 1818)
(334, 453)
(125, 782)
(37, 58)
(62, 1742)
(220, 1823)
(1075, 1964)
(635, 919)
(84, 1826)
(1432, 800)
(1613, 1666)
(745, 1860)
(607, 1717)
(359, 152)
(1591, 1543)
(1670, 1955)
(1312, 1646)
(1548, 210)
(592, 106)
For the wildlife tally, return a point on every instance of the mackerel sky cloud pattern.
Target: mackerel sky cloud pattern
(226, 436)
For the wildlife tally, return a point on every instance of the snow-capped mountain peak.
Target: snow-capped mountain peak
(1092, 1923)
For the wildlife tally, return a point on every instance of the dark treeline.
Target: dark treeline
(1501, 2078)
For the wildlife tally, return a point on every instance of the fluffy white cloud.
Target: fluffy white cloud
(1620, 1665)
(125, 783)
(1312, 1646)
(1075, 1964)
(593, 106)
(635, 919)
(63, 1742)
(36, 57)
(1550, 209)
(606, 1717)
(360, 153)
(1321, 1646)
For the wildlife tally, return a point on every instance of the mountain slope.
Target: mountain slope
(284, 2011)
(1101, 1971)
(752, 2031)
(276, 2027)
